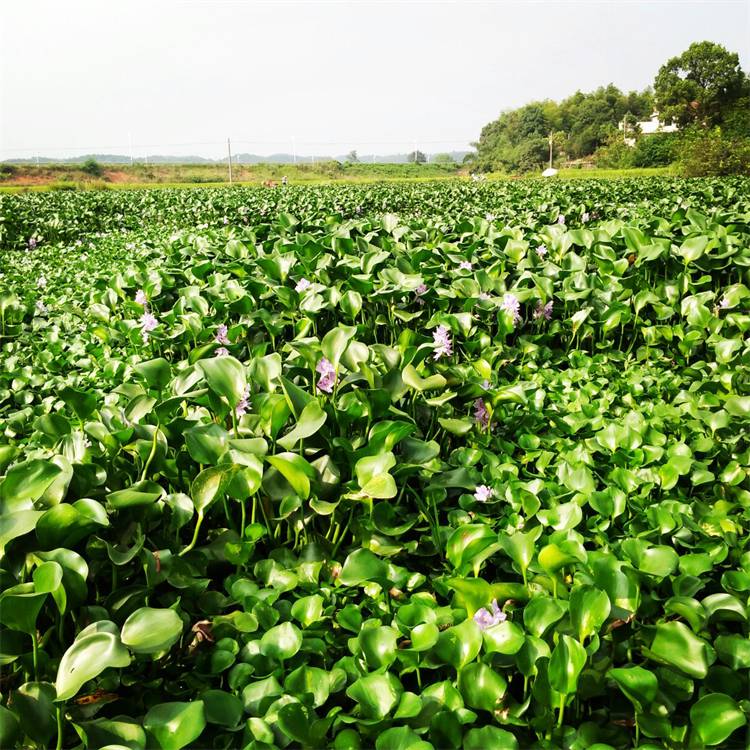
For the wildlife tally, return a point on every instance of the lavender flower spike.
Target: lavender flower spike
(442, 340)
(141, 298)
(513, 306)
(241, 408)
(302, 284)
(327, 375)
(481, 414)
(148, 324)
(464, 265)
(486, 619)
(483, 493)
(221, 335)
(543, 311)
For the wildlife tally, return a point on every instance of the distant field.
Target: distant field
(25, 178)
(72, 177)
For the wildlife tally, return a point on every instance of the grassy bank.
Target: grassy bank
(73, 176)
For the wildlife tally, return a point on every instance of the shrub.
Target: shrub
(92, 167)
(710, 152)
(657, 150)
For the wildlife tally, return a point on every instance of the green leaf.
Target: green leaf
(226, 378)
(334, 343)
(638, 684)
(88, 657)
(175, 725)
(156, 373)
(488, 737)
(310, 421)
(20, 606)
(715, 717)
(82, 403)
(481, 687)
(222, 708)
(378, 644)
(208, 487)
(503, 638)
(565, 665)
(361, 566)
(281, 642)
(401, 738)
(14, 525)
(460, 644)
(676, 645)
(151, 631)
(413, 379)
(295, 470)
(376, 694)
(35, 703)
(25, 483)
(589, 608)
(308, 609)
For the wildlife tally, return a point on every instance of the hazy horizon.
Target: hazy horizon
(178, 77)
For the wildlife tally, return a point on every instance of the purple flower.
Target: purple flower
(541, 251)
(41, 282)
(481, 414)
(226, 220)
(561, 219)
(32, 243)
(40, 307)
(486, 619)
(485, 385)
(241, 408)
(327, 375)
(442, 340)
(141, 298)
(302, 284)
(483, 493)
(543, 311)
(420, 290)
(585, 216)
(513, 306)
(489, 217)
(222, 351)
(221, 335)
(724, 304)
(464, 265)
(148, 324)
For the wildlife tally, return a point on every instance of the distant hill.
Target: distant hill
(282, 158)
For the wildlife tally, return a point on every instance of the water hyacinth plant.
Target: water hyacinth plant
(349, 532)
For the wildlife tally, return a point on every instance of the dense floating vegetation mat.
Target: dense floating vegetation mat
(396, 466)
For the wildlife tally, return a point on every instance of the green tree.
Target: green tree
(352, 156)
(442, 159)
(416, 157)
(92, 167)
(699, 85)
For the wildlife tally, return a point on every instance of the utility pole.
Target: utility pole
(550, 149)
(229, 154)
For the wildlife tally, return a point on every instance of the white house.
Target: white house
(646, 127)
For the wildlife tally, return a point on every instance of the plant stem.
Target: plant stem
(59, 744)
(151, 454)
(195, 535)
(35, 655)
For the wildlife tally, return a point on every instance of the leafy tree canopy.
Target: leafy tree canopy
(700, 84)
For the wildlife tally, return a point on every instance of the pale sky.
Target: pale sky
(179, 76)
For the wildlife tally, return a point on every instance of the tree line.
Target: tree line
(704, 91)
